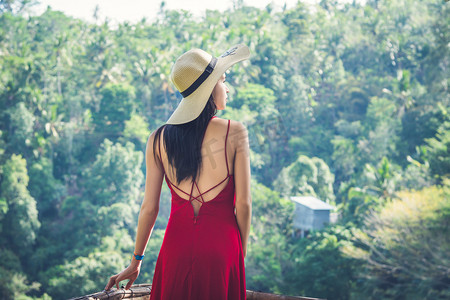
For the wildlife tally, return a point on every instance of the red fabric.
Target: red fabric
(201, 257)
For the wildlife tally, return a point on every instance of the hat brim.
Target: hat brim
(191, 107)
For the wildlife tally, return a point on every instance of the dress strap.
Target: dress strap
(190, 194)
(226, 156)
(200, 194)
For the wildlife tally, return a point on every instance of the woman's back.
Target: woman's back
(201, 256)
(218, 153)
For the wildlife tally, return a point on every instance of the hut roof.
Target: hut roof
(312, 203)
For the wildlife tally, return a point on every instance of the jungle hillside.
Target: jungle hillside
(348, 103)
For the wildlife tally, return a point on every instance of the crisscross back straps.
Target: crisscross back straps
(191, 197)
(200, 194)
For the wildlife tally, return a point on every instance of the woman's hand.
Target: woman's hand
(131, 273)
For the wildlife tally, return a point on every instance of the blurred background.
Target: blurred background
(347, 108)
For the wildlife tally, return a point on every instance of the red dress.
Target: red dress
(201, 256)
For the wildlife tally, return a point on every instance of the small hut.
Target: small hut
(310, 214)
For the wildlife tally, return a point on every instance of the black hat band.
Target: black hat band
(201, 78)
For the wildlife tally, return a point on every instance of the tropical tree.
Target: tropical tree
(306, 177)
(438, 151)
(404, 247)
(375, 187)
(20, 223)
(316, 266)
(266, 255)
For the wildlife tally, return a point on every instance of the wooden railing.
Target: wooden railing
(142, 292)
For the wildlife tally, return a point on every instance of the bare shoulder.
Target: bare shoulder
(238, 137)
(152, 139)
(152, 152)
(236, 127)
(219, 121)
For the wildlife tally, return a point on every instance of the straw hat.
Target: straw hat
(194, 74)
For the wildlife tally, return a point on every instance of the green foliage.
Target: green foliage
(136, 129)
(115, 176)
(20, 126)
(45, 188)
(258, 99)
(438, 151)
(306, 177)
(115, 109)
(86, 274)
(14, 283)
(416, 174)
(111, 198)
(405, 247)
(382, 126)
(344, 156)
(272, 219)
(376, 186)
(19, 227)
(296, 103)
(15, 286)
(345, 101)
(316, 266)
(15, 6)
(20, 223)
(257, 104)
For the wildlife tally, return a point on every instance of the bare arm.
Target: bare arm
(242, 183)
(150, 205)
(147, 216)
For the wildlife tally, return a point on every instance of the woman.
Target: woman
(205, 161)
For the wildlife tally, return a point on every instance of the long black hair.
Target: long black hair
(183, 143)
